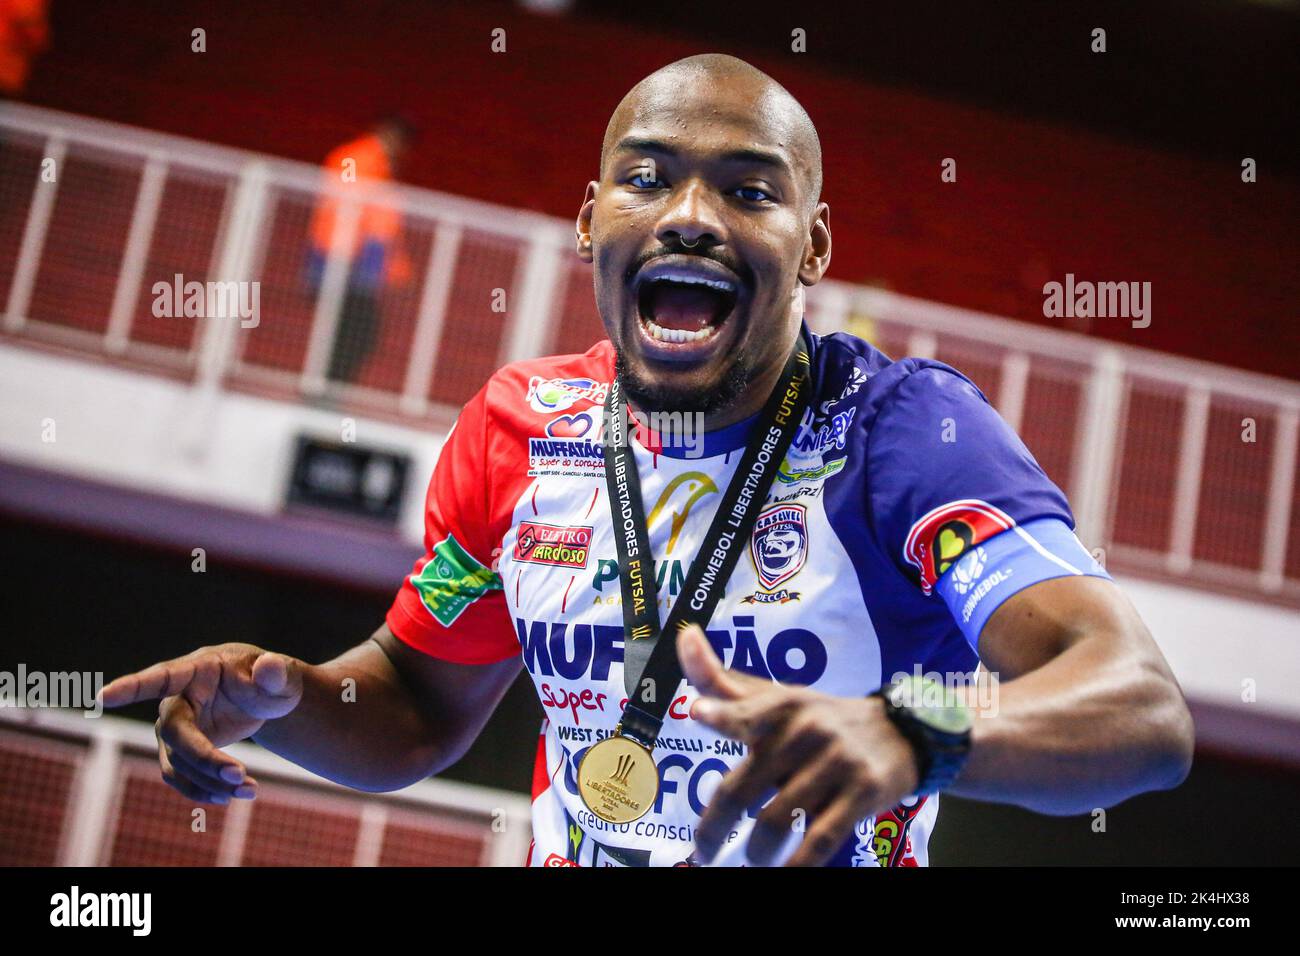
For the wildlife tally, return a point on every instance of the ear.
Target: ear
(817, 250)
(584, 221)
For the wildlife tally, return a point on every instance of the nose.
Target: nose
(691, 218)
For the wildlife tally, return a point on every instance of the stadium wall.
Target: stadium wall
(1033, 200)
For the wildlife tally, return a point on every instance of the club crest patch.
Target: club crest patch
(779, 544)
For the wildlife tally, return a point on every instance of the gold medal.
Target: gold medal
(618, 779)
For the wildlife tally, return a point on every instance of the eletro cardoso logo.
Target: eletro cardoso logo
(539, 543)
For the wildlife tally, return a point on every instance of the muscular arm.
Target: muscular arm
(1088, 712)
(413, 715)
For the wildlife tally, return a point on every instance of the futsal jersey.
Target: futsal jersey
(903, 515)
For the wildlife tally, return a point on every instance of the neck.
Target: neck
(757, 392)
(750, 402)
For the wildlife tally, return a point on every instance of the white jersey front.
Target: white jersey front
(843, 585)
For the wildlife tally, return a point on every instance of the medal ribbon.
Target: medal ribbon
(651, 669)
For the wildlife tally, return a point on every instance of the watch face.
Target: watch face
(932, 704)
(954, 719)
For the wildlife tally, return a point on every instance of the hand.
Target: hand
(835, 759)
(211, 698)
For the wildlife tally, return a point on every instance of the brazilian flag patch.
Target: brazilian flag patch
(452, 580)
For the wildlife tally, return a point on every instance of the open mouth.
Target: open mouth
(679, 306)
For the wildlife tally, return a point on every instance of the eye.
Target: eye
(642, 180)
(753, 194)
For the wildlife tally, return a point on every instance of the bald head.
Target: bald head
(704, 228)
(729, 80)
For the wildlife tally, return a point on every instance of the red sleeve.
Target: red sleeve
(451, 606)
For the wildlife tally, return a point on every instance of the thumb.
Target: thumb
(278, 679)
(703, 668)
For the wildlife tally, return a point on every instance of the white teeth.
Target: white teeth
(685, 277)
(661, 334)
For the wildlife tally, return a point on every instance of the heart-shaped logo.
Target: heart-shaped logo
(949, 545)
(569, 426)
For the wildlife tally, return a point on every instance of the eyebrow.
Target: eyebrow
(745, 155)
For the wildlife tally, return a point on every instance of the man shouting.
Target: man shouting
(751, 570)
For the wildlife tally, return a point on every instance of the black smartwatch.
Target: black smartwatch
(935, 723)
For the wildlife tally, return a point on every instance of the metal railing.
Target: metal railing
(1174, 467)
(78, 791)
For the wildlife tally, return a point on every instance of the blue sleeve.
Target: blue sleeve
(979, 581)
(949, 476)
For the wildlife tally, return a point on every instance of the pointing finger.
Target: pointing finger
(159, 680)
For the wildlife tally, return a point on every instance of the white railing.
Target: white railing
(101, 802)
(1175, 467)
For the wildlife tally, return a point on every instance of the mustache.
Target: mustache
(743, 271)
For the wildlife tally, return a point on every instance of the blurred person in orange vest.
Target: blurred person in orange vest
(375, 255)
(24, 32)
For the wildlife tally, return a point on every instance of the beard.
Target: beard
(653, 396)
